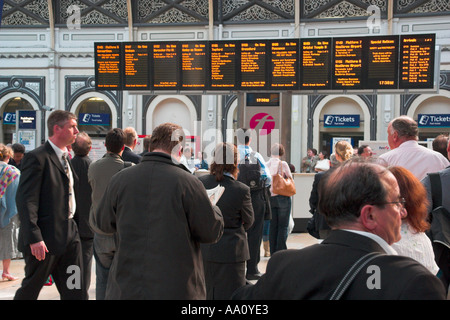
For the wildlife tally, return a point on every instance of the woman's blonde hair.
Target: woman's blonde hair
(344, 150)
(5, 152)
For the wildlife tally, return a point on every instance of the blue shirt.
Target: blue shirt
(265, 173)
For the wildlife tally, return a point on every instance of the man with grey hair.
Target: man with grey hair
(406, 152)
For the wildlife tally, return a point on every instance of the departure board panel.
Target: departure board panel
(136, 66)
(222, 68)
(284, 72)
(193, 65)
(107, 66)
(381, 62)
(348, 59)
(165, 58)
(253, 65)
(315, 63)
(417, 61)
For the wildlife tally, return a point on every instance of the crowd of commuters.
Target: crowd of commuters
(156, 232)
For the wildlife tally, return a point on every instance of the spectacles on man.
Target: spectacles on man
(400, 203)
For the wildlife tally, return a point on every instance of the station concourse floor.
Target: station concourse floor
(8, 288)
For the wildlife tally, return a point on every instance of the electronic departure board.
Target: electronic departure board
(385, 62)
(417, 61)
(193, 65)
(381, 69)
(284, 71)
(315, 69)
(107, 66)
(222, 67)
(253, 63)
(348, 60)
(136, 66)
(165, 58)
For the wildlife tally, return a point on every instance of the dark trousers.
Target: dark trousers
(87, 249)
(442, 257)
(254, 234)
(59, 266)
(222, 279)
(279, 225)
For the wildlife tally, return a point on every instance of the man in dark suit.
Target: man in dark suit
(363, 206)
(81, 162)
(46, 204)
(130, 143)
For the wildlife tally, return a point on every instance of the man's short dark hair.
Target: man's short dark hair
(18, 148)
(345, 190)
(58, 117)
(361, 149)
(166, 137)
(147, 141)
(440, 144)
(115, 140)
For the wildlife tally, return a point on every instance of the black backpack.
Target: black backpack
(250, 172)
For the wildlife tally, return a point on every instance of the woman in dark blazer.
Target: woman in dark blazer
(224, 261)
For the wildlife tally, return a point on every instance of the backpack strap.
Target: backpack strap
(436, 189)
(351, 274)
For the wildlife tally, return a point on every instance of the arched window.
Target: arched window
(9, 117)
(94, 117)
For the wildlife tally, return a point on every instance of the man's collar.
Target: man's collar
(59, 152)
(383, 244)
(408, 143)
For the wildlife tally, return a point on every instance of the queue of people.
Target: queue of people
(156, 231)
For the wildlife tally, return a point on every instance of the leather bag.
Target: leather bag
(281, 185)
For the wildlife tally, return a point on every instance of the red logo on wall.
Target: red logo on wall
(262, 121)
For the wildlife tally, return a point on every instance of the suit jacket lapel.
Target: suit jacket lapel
(54, 158)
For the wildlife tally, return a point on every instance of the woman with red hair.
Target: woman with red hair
(414, 242)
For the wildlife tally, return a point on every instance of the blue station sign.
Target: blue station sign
(341, 120)
(434, 120)
(9, 118)
(94, 119)
(27, 119)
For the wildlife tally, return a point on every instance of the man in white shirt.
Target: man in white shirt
(48, 236)
(406, 152)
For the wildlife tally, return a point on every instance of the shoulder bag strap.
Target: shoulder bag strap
(351, 274)
(436, 189)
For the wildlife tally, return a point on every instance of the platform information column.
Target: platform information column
(348, 59)
(315, 67)
(417, 61)
(107, 66)
(222, 65)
